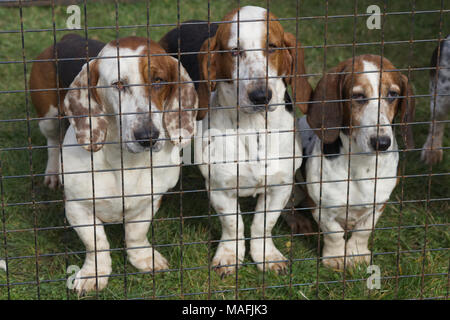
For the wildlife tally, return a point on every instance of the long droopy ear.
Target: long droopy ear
(85, 110)
(207, 62)
(180, 109)
(327, 110)
(301, 89)
(407, 109)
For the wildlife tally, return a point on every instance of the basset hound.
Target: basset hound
(246, 145)
(121, 151)
(351, 154)
(432, 152)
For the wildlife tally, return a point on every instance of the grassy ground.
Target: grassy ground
(57, 248)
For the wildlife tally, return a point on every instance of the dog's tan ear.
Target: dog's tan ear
(207, 62)
(85, 110)
(295, 65)
(326, 111)
(407, 110)
(180, 109)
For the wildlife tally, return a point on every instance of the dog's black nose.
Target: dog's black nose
(146, 137)
(260, 97)
(382, 143)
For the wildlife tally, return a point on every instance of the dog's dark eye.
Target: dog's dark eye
(119, 85)
(359, 98)
(236, 52)
(272, 47)
(392, 95)
(157, 82)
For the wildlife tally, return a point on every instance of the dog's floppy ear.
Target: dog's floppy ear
(207, 62)
(325, 114)
(85, 110)
(295, 65)
(407, 110)
(180, 109)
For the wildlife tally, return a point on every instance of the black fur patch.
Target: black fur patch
(74, 46)
(332, 150)
(191, 38)
(288, 102)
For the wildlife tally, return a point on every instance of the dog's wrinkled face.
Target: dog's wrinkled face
(371, 101)
(250, 60)
(374, 101)
(141, 97)
(125, 95)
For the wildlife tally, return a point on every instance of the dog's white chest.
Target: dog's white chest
(251, 157)
(366, 181)
(121, 188)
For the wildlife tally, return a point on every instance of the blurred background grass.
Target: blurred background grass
(45, 277)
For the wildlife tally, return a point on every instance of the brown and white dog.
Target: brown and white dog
(353, 112)
(121, 151)
(243, 85)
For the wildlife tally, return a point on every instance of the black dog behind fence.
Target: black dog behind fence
(172, 116)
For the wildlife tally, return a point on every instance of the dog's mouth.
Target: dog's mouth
(135, 147)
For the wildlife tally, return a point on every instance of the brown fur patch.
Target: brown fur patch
(165, 87)
(43, 77)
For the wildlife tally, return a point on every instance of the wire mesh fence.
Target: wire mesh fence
(188, 149)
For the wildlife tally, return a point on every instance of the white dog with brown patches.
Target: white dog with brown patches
(112, 179)
(359, 125)
(249, 149)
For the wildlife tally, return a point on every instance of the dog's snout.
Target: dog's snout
(260, 96)
(381, 143)
(146, 137)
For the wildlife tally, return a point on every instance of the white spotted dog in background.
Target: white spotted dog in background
(432, 152)
(355, 120)
(244, 129)
(142, 106)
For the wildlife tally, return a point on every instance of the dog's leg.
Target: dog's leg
(50, 129)
(229, 252)
(432, 152)
(97, 265)
(262, 248)
(140, 254)
(333, 238)
(357, 245)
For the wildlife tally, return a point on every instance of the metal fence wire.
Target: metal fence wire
(339, 185)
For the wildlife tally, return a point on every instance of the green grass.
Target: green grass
(58, 248)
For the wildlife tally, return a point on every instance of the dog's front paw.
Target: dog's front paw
(352, 260)
(224, 262)
(87, 280)
(273, 260)
(432, 156)
(334, 263)
(51, 180)
(358, 255)
(151, 260)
